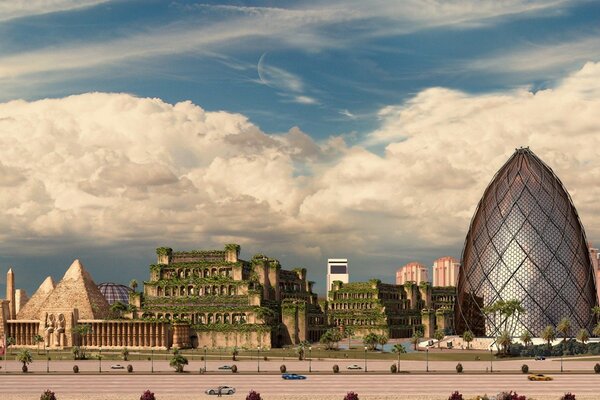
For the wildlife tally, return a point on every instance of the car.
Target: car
(117, 366)
(223, 389)
(293, 376)
(228, 367)
(539, 377)
(539, 358)
(354, 366)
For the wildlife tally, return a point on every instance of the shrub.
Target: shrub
(48, 395)
(147, 395)
(597, 368)
(234, 368)
(455, 396)
(568, 396)
(351, 396)
(75, 369)
(524, 368)
(129, 368)
(252, 395)
(266, 358)
(393, 368)
(459, 368)
(336, 369)
(282, 369)
(509, 396)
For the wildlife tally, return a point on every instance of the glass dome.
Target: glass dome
(114, 292)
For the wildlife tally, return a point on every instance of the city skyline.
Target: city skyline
(305, 131)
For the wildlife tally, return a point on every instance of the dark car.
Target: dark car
(292, 376)
(539, 358)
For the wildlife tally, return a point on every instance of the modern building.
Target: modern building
(394, 310)
(595, 257)
(337, 270)
(412, 272)
(445, 271)
(525, 243)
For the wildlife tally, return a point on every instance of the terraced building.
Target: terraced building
(213, 298)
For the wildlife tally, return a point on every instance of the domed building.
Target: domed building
(525, 243)
(114, 292)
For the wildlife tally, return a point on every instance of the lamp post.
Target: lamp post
(204, 358)
(152, 361)
(561, 365)
(309, 358)
(491, 361)
(47, 364)
(258, 361)
(365, 359)
(427, 359)
(100, 361)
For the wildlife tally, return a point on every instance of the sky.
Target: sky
(303, 130)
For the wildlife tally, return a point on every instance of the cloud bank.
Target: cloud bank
(107, 168)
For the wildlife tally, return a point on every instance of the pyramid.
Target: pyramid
(31, 309)
(77, 290)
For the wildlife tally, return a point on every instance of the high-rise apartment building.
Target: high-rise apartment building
(412, 272)
(337, 270)
(445, 271)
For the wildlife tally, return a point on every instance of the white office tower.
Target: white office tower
(337, 270)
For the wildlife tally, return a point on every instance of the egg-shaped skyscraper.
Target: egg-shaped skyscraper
(525, 243)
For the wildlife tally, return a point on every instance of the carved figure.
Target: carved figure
(60, 331)
(49, 325)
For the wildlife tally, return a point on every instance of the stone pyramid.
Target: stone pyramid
(77, 290)
(31, 310)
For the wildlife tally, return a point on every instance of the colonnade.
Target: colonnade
(23, 332)
(125, 334)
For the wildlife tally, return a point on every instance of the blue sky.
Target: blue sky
(354, 77)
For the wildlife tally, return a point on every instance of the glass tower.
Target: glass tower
(525, 243)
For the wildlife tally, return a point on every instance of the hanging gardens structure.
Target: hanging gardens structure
(525, 244)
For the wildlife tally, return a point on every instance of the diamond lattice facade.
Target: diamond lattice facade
(525, 243)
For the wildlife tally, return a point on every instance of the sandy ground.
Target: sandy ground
(242, 397)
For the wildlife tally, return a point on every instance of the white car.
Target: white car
(117, 366)
(354, 366)
(223, 389)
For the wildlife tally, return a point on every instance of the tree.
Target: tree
(468, 338)
(125, 353)
(596, 331)
(416, 338)
(596, 311)
(330, 337)
(10, 341)
(564, 326)
(348, 333)
(583, 335)
(81, 330)
(300, 351)
(117, 309)
(399, 349)
(25, 358)
(235, 352)
(133, 284)
(548, 335)
(38, 339)
(439, 336)
(526, 338)
(371, 340)
(504, 340)
(382, 340)
(178, 361)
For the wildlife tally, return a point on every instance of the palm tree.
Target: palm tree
(399, 349)
(235, 353)
(25, 358)
(596, 331)
(468, 338)
(178, 361)
(548, 335)
(300, 351)
(10, 341)
(133, 284)
(504, 340)
(526, 338)
(439, 336)
(416, 338)
(371, 340)
(583, 336)
(596, 311)
(81, 330)
(38, 339)
(117, 309)
(382, 340)
(349, 332)
(564, 326)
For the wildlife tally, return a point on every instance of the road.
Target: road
(321, 385)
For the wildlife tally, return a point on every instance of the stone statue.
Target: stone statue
(60, 331)
(49, 326)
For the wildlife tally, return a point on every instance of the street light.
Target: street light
(561, 359)
(491, 361)
(309, 358)
(100, 361)
(258, 361)
(204, 358)
(365, 359)
(152, 361)
(47, 364)
(427, 359)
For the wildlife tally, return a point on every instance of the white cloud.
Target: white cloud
(112, 167)
(12, 9)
